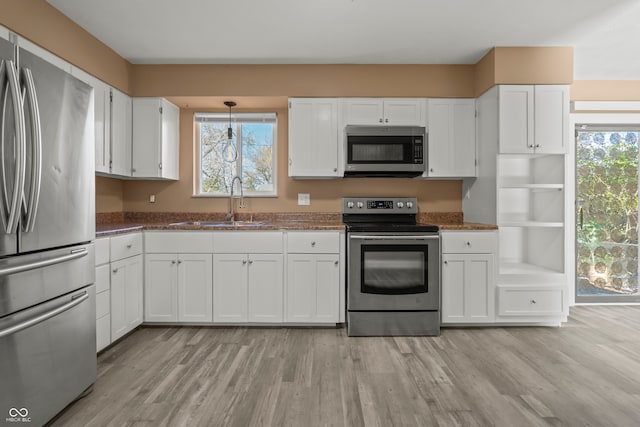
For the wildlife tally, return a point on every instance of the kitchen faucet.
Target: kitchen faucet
(231, 214)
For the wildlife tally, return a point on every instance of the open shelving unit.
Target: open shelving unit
(531, 214)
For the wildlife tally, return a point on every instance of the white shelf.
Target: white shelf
(529, 223)
(517, 268)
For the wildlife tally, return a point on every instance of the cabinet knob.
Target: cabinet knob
(446, 263)
(380, 120)
(530, 145)
(335, 169)
(173, 262)
(244, 261)
(386, 120)
(115, 270)
(537, 145)
(313, 244)
(250, 261)
(160, 166)
(468, 243)
(179, 261)
(335, 262)
(431, 170)
(533, 301)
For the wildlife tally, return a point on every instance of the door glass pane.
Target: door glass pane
(607, 214)
(394, 271)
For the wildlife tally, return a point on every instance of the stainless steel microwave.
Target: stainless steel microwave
(384, 151)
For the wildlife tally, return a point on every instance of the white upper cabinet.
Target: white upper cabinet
(120, 133)
(384, 111)
(156, 124)
(102, 118)
(452, 138)
(314, 149)
(533, 119)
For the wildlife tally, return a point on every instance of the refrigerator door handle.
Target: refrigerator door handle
(12, 209)
(75, 254)
(75, 300)
(30, 203)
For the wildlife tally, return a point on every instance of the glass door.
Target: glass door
(607, 213)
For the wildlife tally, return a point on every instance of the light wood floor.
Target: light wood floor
(586, 373)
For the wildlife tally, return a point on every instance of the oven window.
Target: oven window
(394, 270)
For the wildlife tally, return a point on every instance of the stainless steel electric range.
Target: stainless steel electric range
(393, 268)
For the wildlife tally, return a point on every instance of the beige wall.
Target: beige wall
(605, 90)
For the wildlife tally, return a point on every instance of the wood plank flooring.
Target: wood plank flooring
(586, 373)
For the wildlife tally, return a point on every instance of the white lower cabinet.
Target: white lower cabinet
(178, 288)
(247, 288)
(248, 285)
(468, 276)
(313, 288)
(103, 294)
(126, 295)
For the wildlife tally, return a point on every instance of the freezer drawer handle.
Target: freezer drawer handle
(79, 253)
(41, 318)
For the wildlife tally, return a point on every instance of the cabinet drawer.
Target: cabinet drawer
(530, 301)
(312, 242)
(242, 242)
(125, 246)
(102, 250)
(186, 242)
(103, 300)
(102, 278)
(470, 242)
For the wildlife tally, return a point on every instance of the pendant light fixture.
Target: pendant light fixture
(229, 150)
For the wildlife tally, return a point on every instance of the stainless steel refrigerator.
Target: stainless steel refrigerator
(47, 213)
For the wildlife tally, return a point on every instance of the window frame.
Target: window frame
(236, 122)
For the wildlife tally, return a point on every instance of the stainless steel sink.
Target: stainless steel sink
(220, 223)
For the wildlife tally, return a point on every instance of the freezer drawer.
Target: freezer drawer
(48, 355)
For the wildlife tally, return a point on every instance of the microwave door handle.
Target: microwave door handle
(30, 98)
(12, 209)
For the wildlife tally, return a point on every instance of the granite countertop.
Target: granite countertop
(127, 222)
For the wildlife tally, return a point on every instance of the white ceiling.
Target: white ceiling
(605, 34)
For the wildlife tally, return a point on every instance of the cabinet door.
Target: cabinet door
(169, 162)
(265, 299)
(327, 293)
(404, 112)
(126, 295)
(160, 288)
(101, 107)
(230, 288)
(452, 138)
(313, 286)
(363, 111)
(551, 130)
(515, 122)
(313, 138)
(147, 137)
(120, 133)
(468, 290)
(195, 288)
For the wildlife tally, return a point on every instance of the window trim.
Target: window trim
(197, 160)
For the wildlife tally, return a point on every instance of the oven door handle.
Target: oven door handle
(364, 237)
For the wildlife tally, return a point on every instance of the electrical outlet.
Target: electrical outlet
(152, 198)
(304, 199)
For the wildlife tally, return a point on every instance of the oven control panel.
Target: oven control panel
(379, 205)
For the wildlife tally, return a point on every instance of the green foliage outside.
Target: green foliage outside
(222, 159)
(607, 232)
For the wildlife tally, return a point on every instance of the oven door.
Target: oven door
(393, 272)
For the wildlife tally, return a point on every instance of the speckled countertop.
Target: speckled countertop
(108, 224)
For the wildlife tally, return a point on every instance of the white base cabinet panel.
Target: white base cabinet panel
(126, 296)
(313, 288)
(178, 288)
(247, 288)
